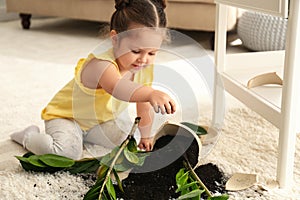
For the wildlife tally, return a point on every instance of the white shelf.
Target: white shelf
(241, 67)
(263, 100)
(277, 104)
(274, 7)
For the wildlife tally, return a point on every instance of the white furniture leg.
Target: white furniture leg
(290, 100)
(220, 52)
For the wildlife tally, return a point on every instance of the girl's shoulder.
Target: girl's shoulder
(96, 59)
(89, 70)
(105, 56)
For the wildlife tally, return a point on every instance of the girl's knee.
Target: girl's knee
(72, 148)
(67, 137)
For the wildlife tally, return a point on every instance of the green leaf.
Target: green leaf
(142, 156)
(221, 197)
(193, 187)
(122, 167)
(130, 156)
(113, 153)
(24, 159)
(84, 166)
(198, 129)
(102, 171)
(27, 166)
(182, 180)
(191, 194)
(106, 160)
(104, 197)
(132, 145)
(197, 197)
(186, 186)
(179, 174)
(35, 165)
(118, 180)
(94, 191)
(53, 160)
(120, 159)
(34, 160)
(91, 196)
(110, 189)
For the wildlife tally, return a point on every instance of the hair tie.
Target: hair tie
(121, 4)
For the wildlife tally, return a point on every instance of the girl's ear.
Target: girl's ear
(114, 37)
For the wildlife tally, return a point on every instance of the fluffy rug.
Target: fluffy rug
(247, 145)
(36, 63)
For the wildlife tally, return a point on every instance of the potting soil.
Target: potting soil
(155, 180)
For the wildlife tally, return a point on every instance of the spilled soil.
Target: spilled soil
(156, 178)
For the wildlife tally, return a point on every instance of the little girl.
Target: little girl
(85, 109)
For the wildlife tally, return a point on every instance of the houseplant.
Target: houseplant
(177, 142)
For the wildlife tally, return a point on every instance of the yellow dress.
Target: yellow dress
(90, 107)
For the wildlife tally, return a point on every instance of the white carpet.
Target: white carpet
(247, 145)
(36, 63)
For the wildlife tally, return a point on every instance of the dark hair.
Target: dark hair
(149, 13)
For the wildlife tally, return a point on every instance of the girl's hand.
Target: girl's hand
(161, 102)
(146, 144)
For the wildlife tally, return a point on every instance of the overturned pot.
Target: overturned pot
(184, 139)
(173, 142)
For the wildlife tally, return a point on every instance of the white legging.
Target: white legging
(65, 137)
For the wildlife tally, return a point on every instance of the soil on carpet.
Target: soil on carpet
(156, 178)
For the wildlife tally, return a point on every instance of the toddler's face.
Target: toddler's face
(137, 49)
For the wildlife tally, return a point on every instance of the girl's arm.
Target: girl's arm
(145, 111)
(102, 74)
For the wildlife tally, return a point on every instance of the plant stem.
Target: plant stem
(194, 175)
(123, 145)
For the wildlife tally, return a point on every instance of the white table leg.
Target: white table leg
(290, 100)
(220, 54)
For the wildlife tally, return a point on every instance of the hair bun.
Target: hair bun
(121, 4)
(162, 3)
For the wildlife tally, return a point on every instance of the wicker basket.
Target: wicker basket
(262, 32)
